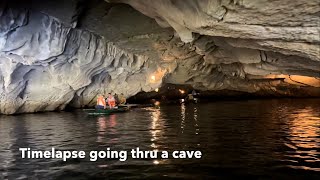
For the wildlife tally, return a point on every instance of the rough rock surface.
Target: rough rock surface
(53, 58)
(45, 65)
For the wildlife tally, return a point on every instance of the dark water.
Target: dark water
(252, 139)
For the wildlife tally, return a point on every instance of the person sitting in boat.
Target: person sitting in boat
(116, 97)
(190, 97)
(122, 99)
(101, 103)
(111, 101)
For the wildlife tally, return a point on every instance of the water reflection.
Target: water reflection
(157, 132)
(7, 141)
(156, 128)
(38, 132)
(304, 140)
(195, 117)
(183, 117)
(304, 128)
(267, 139)
(107, 126)
(102, 126)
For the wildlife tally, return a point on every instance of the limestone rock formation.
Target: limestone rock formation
(58, 53)
(45, 65)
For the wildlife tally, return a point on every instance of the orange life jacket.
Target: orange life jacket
(111, 101)
(101, 101)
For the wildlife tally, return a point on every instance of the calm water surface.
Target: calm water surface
(252, 139)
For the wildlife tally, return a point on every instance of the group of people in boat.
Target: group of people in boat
(110, 101)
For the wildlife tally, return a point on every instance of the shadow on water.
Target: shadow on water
(250, 139)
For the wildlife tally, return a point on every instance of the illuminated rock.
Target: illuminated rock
(57, 53)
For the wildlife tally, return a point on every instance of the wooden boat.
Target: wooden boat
(105, 111)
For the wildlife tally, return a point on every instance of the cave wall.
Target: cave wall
(45, 65)
(242, 45)
(51, 57)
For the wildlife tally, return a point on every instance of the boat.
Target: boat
(130, 106)
(105, 111)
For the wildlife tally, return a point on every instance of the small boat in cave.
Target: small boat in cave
(105, 111)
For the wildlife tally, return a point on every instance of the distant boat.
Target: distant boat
(105, 111)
